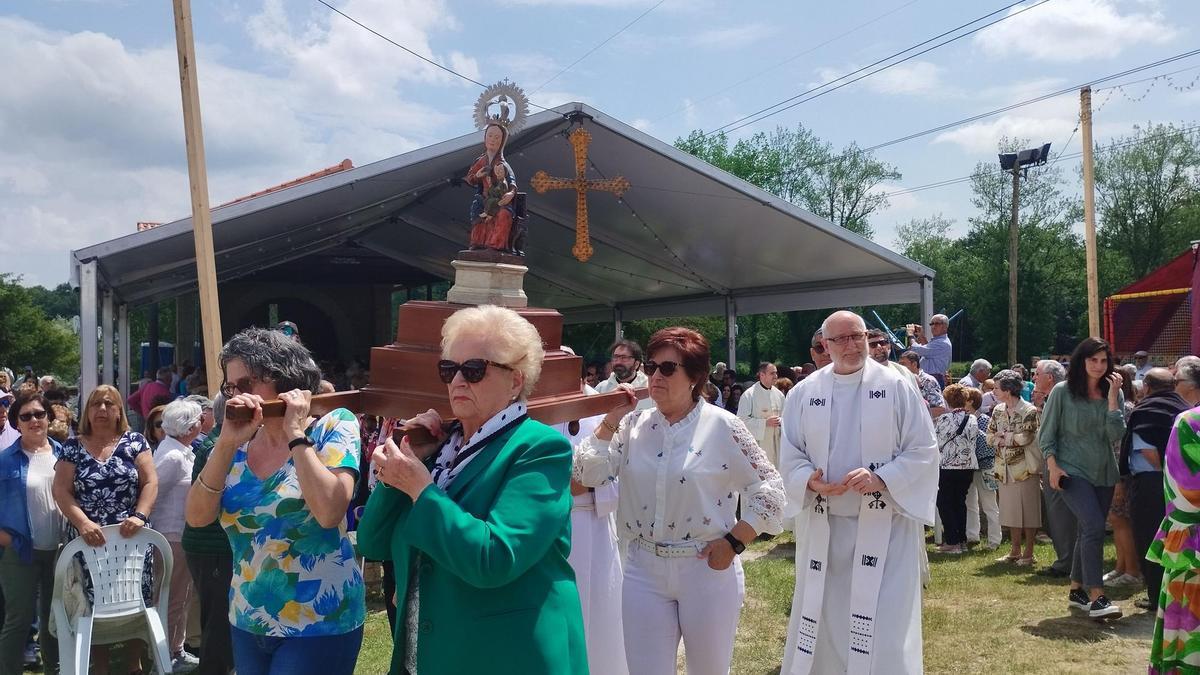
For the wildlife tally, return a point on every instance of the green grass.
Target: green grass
(979, 616)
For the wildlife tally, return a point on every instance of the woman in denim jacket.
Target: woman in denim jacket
(30, 529)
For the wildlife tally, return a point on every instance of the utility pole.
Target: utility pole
(1012, 266)
(1089, 211)
(193, 133)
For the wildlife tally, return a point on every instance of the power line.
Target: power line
(1056, 160)
(1014, 106)
(602, 43)
(692, 104)
(406, 49)
(754, 117)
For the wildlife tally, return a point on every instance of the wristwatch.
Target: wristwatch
(736, 543)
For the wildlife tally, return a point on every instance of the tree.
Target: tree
(795, 165)
(844, 189)
(61, 301)
(29, 338)
(1146, 189)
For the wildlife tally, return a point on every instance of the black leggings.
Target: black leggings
(952, 504)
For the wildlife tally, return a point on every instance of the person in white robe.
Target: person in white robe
(760, 408)
(596, 559)
(860, 466)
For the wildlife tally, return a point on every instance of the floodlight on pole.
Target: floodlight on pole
(1018, 164)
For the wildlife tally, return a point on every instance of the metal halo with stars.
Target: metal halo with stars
(503, 103)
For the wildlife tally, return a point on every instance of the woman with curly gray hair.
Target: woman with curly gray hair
(281, 487)
(1012, 430)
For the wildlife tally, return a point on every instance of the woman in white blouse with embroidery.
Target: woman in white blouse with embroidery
(683, 466)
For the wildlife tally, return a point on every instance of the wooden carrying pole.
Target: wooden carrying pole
(1089, 211)
(193, 132)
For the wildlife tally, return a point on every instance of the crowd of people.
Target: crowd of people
(599, 544)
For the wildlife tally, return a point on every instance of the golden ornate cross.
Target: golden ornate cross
(580, 138)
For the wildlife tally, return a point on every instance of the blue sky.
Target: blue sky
(91, 134)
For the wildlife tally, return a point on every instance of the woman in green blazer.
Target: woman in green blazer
(478, 526)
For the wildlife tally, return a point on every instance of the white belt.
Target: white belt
(583, 502)
(687, 550)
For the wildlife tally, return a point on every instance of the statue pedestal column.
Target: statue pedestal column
(488, 278)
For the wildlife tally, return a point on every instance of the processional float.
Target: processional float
(404, 379)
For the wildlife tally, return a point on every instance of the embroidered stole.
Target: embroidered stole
(874, 520)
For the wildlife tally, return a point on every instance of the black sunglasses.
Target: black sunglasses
(667, 367)
(39, 414)
(878, 343)
(472, 370)
(819, 348)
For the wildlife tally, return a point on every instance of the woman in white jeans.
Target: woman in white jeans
(683, 466)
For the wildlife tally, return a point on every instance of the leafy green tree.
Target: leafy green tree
(61, 301)
(29, 338)
(1146, 193)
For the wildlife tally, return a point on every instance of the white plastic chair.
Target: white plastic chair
(116, 572)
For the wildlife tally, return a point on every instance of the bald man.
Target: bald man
(859, 460)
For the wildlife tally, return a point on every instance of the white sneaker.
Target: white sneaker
(184, 663)
(1124, 580)
(1111, 575)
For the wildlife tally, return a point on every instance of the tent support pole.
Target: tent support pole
(87, 328)
(123, 369)
(731, 330)
(106, 336)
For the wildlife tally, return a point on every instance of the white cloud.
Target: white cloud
(1073, 31)
(982, 138)
(91, 131)
(641, 124)
(915, 77)
(730, 37)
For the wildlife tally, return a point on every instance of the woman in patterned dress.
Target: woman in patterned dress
(281, 487)
(106, 476)
(1177, 548)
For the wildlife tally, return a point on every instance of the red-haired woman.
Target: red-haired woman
(682, 465)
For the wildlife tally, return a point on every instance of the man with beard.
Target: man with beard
(627, 369)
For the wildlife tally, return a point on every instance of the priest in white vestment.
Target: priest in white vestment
(596, 559)
(627, 369)
(860, 465)
(760, 408)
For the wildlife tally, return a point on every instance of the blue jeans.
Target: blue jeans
(324, 655)
(1090, 505)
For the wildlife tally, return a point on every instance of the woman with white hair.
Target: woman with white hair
(478, 524)
(173, 461)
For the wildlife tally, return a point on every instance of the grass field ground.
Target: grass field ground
(979, 617)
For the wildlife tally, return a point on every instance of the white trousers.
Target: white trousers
(664, 598)
(598, 575)
(978, 496)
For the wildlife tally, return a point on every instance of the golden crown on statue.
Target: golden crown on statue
(503, 103)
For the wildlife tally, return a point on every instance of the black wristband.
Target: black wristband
(736, 543)
(297, 442)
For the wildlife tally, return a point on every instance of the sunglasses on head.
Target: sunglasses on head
(36, 414)
(668, 368)
(472, 370)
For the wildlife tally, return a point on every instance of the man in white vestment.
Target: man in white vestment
(860, 464)
(881, 351)
(760, 407)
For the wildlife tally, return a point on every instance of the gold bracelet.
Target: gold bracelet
(205, 487)
(604, 423)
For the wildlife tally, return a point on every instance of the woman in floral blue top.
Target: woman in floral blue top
(105, 476)
(281, 487)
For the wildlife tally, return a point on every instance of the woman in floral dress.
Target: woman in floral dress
(1176, 645)
(106, 476)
